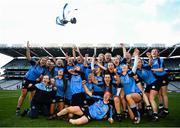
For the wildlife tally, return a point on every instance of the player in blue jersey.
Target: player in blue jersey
(152, 87)
(59, 66)
(116, 89)
(78, 95)
(157, 65)
(79, 60)
(98, 90)
(90, 85)
(33, 75)
(117, 64)
(68, 70)
(40, 103)
(50, 68)
(98, 74)
(86, 66)
(115, 85)
(140, 84)
(97, 111)
(59, 97)
(132, 92)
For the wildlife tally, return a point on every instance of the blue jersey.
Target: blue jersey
(119, 69)
(60, 87)
(50, 73)
(69, 67)
(146, 74)
(106, 65)
(81, 65)
(43, 94)
(98, 87)
(113, 82)
(96, 66)
(99, 110)
(87, 71)
(158, 63)
(35, 71)
(43, 87)
(90, 86)
(129, 83)
(68, 93)
(56, 69)
(66, 73)
(76, 84)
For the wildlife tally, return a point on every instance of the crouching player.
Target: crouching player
(97, 111)
(40, 103)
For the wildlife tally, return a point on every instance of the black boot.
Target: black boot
(119, 117)
(17, 111)
(155, 117)
(24, 112)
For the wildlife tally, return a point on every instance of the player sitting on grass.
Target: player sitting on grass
(97, 111)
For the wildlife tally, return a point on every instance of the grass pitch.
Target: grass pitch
(8, 102)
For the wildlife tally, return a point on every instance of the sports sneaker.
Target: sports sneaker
(125, 114)
(154, 118)
(137, 119)
(149, 112)
(52, 117)
(24, 112)
(119, 117)
(163, 114)
(17, 112)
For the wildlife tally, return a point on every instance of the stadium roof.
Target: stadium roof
(54, 50)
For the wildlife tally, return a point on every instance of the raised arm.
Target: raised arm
(78, 51)
(66, 55)
(28, 52)
(148, 54)
(92, 63)
(124, 50)
(86, 60)
(136, 55)
(86, 88)
(74, 54)
(102, 67)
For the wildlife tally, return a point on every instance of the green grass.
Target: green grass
(8, 101)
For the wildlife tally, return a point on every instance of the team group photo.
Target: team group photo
(92, 63)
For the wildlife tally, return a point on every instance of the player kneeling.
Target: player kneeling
(41, 101)
(97, 111)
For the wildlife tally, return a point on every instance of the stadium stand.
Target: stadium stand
(174, 86)
(10, 84)
(172, 64)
